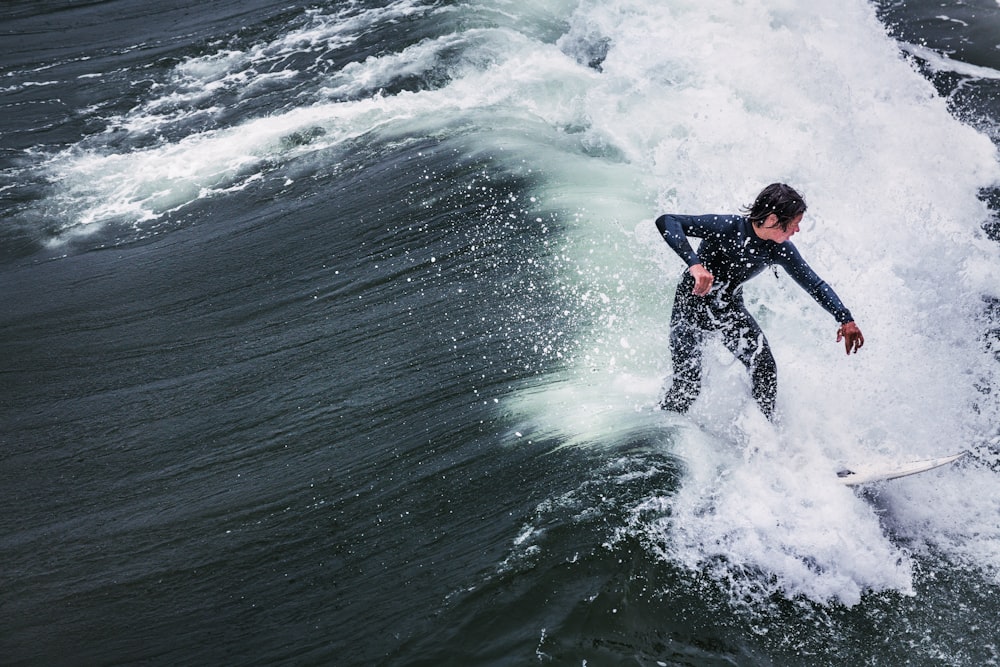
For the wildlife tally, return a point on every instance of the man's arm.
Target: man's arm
(824, 295)
(788, 256)
(675, 230)
(672, 232)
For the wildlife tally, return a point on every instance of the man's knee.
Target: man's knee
(679, 397)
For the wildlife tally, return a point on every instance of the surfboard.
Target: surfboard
(880, 472)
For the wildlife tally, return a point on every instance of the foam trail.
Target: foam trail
(941, 63)
(98, 185)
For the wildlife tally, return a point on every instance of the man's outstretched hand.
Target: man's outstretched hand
(851, 335)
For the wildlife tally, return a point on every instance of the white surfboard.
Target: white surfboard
(865, 474)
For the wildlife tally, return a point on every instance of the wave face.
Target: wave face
(333, 333)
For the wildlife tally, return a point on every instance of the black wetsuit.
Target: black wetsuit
(733, 253)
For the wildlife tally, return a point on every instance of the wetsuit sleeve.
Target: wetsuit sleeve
(815, 286)
(675, 230)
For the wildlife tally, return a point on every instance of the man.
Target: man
(710, 295)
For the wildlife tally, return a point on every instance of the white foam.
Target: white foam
(709, 102)
(941, 63)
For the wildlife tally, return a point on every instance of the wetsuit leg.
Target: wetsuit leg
(686, 342)
(744, 338)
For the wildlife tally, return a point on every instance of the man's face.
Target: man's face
(772, 231)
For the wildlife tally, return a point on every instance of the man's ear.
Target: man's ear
(770, 221)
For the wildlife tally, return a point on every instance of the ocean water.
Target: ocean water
(332, 333)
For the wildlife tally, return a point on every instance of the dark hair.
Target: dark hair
(779, 199)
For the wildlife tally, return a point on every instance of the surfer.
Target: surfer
(709, 298)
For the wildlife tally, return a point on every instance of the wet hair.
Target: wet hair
(779, 199)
